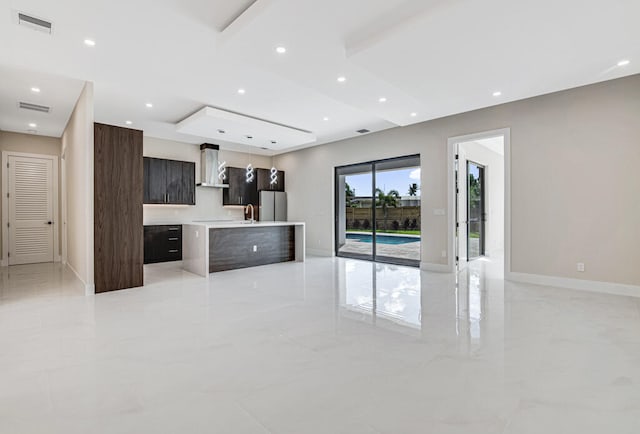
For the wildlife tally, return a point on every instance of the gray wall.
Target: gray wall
(574, 179)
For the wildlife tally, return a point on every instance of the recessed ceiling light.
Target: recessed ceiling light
(383, 99)
(35, 89)
(241, 91)
(342, 79)
(325, 118)
(89, 42)
(149, 105)
(414, 114)
(249, 137)
(624, 62)
(497, 93)
(128, 122)
(32, 125)
(221, 131)
(273, 142)
(281, 50)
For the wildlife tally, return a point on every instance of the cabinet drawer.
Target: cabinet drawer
(162, 243)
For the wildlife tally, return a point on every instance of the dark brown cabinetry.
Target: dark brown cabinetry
(169, 182)
(240, 192)
(162, 243)
(264, 180)
(231, 248)
(118, 196)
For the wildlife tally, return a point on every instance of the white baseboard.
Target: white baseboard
(318, 252)
(579, 284)
(438, 268)
(89, 288)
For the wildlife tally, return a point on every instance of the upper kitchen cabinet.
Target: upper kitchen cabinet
(264, 180)
(240, 192)
(181, 182)
(169, 182)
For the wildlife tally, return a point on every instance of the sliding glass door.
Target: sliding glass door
(378, 210)
(355, 206)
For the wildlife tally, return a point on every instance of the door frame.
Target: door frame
(5, 202)
(483, 241)
(452, 151)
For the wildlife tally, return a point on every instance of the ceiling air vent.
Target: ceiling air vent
(363, 131)
(34, 23)
(34, 107)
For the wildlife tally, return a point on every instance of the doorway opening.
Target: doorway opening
(377, 211)
(480, 181)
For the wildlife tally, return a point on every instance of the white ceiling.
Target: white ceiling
(58, 93)
(430, 57)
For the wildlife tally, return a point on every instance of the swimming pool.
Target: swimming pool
(383, 239)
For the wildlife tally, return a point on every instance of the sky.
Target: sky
(398, 179)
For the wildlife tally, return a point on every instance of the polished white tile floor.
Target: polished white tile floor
(328, 346)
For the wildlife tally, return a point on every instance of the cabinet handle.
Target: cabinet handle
(174, 229)
(173, 251)
(173, 239)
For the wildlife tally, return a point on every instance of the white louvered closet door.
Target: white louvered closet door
(30, 210)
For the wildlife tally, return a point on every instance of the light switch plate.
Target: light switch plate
(438, 211)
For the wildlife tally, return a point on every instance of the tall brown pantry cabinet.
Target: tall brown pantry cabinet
(118, 196)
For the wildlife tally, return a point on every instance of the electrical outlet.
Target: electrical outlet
(255, 248)
(444, 253)
(580, 267)
(197, 234)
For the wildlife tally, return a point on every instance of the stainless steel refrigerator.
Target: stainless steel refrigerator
(273, 206)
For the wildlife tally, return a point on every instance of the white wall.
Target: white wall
(494, 196)
(574, 180)
(77, 149)
(30, 144)
(208, 200)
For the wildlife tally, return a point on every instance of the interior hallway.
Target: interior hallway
(296, 347)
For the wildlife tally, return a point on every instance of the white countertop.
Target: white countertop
(241, 224)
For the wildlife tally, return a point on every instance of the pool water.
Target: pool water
(383, 239)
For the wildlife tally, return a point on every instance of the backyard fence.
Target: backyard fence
(400, 218)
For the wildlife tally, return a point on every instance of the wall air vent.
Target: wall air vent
(363, 131)
(34, 107)
(34, 23)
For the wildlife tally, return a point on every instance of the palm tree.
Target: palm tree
(413, 189)
(349, 194)
(386, 200)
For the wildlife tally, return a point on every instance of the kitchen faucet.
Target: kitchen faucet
(246, 210)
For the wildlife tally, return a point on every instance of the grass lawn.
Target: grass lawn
(474, 234)
(379, 231)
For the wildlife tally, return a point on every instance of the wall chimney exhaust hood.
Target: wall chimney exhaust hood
(210, 170)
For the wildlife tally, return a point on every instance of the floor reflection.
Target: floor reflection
(381, 291)
(384, 294)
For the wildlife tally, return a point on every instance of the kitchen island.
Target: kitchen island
(212, 246)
